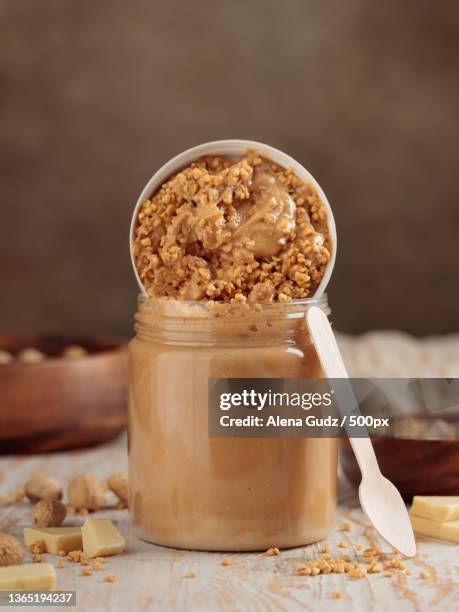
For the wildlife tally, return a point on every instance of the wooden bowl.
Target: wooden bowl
(61, 403)
(415, 466)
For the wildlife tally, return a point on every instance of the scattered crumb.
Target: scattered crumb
(424, 575)
(83, 560)
(36, 558)
(358, 547)
(375, 567)
(336, 595)
(83, 511)
(74, 556)
(272, 552)
(387, 574)
(37, 547)
(61, 564)
(394, 564)
(346, 558)
(342, 544)
(408, 573)
(357, 573)
(70, 510)
(62, 553)
(86, 572)
(346, 526)
(101, 559)
(190, 574)
(120, 505)
(96, 565)
(110, 578)
(324, 549)
(226, 562)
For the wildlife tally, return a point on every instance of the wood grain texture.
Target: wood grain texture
(152, 578)
(61, 403)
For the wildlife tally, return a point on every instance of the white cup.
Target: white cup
(235, 148)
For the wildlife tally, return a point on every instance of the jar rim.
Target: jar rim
(167, 308)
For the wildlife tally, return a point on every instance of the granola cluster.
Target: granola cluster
(223, 230)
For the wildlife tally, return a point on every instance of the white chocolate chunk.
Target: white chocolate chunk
(442, 531)
(55, 538)
(439, 509)
(28, 577)
(101, 538)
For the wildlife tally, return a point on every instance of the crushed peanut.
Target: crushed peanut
(190, 574)
(336, 595)
(36, 558)
(424, 575)
(346, 526)
(37, 547)
(223, 230)
(75, 555)
(86, 572)
(226, 562)
(272, 552)
(331, 565)
(101, 559)
(96, 565)
(342, 544)
(62, 553)
(110, 578)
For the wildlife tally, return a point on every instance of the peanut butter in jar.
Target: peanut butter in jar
(230, 254)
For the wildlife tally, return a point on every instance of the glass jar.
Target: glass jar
(195, 492)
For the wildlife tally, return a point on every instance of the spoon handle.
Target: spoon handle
(333, 366)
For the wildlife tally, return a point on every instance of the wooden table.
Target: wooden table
(152, 578)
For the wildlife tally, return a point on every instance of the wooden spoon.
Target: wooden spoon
(379, 498)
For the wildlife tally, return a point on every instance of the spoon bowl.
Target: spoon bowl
(386, 510)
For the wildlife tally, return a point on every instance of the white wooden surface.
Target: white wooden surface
(152, 578)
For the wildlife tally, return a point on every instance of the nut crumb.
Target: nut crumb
(358, 547)
(37, 547)
(71, 510)
(226, 562)
(190, 574)
(61, 564)
(86, 572)
(110, 578)
(101, 559)
(96, 565)
(424, 575)
(83, 511)
(62, 553)
(272, 552)
(74, 556)
(342, 544)
(336, 595)
(346, 526)
(36, 558)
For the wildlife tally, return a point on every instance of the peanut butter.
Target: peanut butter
(192, 491)
(223, 229)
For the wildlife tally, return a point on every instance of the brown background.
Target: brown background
(95, 95)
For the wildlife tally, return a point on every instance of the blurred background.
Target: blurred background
(95, 96)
